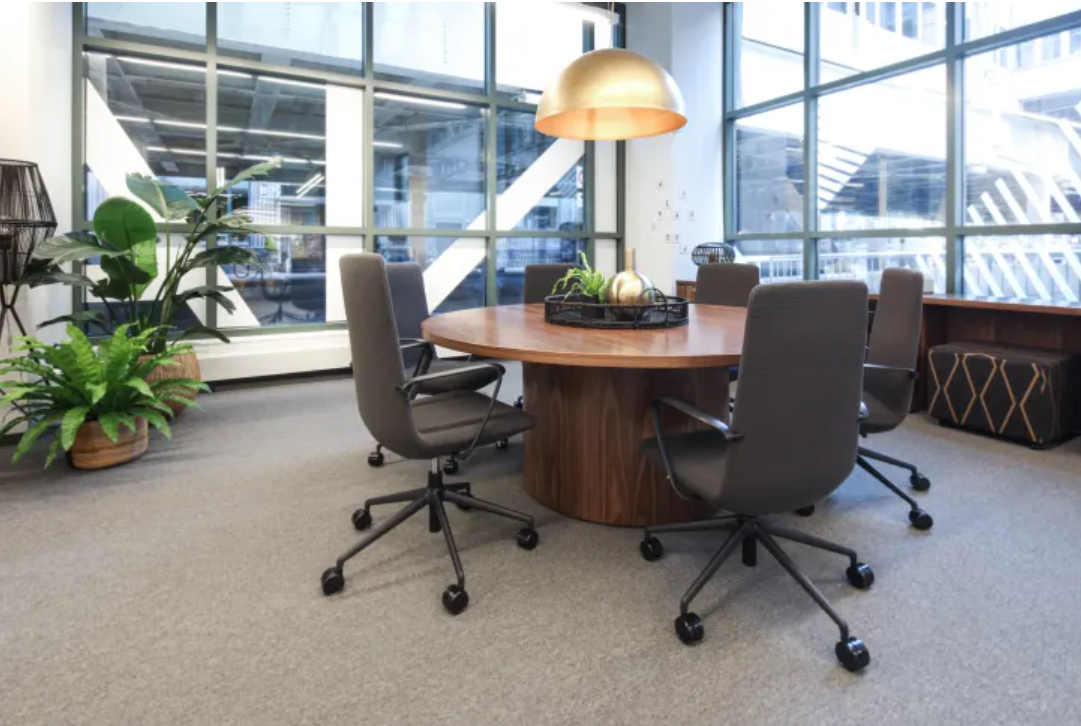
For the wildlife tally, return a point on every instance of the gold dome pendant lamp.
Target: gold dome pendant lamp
(611, 94)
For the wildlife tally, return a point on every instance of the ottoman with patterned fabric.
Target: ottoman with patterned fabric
(1023, 394)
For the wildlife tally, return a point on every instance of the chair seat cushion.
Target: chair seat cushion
(880, 417)
(470, 381)
(698, 460)
(448, 422)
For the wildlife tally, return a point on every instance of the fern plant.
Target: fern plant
(62, 386)
(584, 281)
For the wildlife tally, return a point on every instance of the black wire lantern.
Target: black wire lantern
(26, 219)
(712, 253)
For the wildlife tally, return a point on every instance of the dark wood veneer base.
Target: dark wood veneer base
(582, 459)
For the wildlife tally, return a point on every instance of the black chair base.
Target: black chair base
(432, 497)
(917, 517)
(748, 533)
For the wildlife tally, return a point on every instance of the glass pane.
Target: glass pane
(865, 259)
(326, 36)
(1037, 268)
(769, 171)
(778, 260)
(882, 154)
(769, 52)
(437, 45)
(145, 116)
(534, 42)
(173, 25)
(983, 19)
(429, 164)
(866, 36)
(454, 269)
(551, 196)
(260, 117)
(513, 254)
(288, 286)
(1022, 141)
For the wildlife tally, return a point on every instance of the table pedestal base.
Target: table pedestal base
(582, 459)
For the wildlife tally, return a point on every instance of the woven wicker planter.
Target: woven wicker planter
(94, 450)
(188, 368)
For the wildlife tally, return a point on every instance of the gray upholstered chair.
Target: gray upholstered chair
(539, 281)
(410, 303)
(725, 284)
(792, 438)
(426, 428)
(890, 377)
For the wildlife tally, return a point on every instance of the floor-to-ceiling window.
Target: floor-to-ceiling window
(404, 129)
(941, 137)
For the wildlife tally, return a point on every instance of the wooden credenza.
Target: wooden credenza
(685, 288)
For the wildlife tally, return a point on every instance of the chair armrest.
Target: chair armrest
(892, 369)
(427, 354)
(692, 412)
(409, 385)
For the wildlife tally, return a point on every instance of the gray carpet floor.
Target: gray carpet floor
(183, 589)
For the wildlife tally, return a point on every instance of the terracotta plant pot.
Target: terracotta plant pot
(188, 368)
(94, 450)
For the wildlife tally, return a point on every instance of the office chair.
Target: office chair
(728, 284)
(410, 303)
(428, 428)
(539, 281)
(889, 377)
(725, 284)
(791, 440)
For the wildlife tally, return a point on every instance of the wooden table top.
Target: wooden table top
(713, 337)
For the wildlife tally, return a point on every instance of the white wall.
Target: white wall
(674, 181)
(35, 125)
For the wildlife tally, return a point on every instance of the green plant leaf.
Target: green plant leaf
(14, 394)
(167, 200)
(182, 399)
(73, 247)
(70, 424)
(56, 277)
(155, 419)
(222, 256)
(111, 423)
(54, 451)
(123, 223)
(82, 317)
(250, 173)
(97, 392)
(9, 425)
(32, 434)
(197, 330)
(140, 385)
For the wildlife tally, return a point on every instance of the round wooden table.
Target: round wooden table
(590, 392)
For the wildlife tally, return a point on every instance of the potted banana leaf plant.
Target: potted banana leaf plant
(96, 403)
(125, 239)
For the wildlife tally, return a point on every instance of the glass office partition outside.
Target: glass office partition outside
(913, 127)
(403, 129)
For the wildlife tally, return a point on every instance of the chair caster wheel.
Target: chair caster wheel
(450, 467)
(806, 511)
(362, 519)
(332, 581)
(853, 654)
(689, 628)
(919, 482)
(455, 599)
(921, 520)
(375, 458)
(528, 538)
(502, 444)
(651, 549)
(519, 404)
(860, 576)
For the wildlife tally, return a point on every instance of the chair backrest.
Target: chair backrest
(725, 284)
(800, 384)
(895, 338)
(377, 356)
(410, 302)
(540, 279)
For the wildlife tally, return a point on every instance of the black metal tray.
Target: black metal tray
(576, 312)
